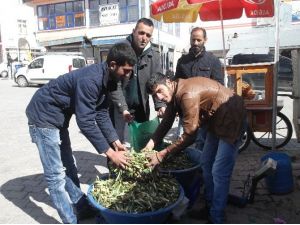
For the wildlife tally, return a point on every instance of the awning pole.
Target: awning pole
(276, 65)
(223, 40)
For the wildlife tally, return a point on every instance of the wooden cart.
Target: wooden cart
(259, 106)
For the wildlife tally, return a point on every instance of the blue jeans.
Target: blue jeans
(63, 192)
(218, 159)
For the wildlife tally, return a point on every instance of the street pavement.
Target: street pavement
(25, 198)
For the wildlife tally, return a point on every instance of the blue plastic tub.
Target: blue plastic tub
(115, 217)
(190, 179)
(281, 182)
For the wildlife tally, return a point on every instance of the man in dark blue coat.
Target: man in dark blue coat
(81, 92)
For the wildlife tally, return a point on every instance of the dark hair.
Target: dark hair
(121, 53)
(145, 21)
(155, 79)
(197, 29)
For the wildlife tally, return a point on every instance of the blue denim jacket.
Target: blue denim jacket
(82, 92)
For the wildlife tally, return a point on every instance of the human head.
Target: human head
(120, 60)
(142, 34)
(161, 87)
(197, 39)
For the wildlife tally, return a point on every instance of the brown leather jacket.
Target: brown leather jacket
(199, 100)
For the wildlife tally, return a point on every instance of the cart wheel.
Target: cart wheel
(284, 131)
(245, 140)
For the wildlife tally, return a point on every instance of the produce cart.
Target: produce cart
(259, 105)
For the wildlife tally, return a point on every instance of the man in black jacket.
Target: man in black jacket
(82, 92)
(131, 100)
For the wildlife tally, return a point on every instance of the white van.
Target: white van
(45, 68)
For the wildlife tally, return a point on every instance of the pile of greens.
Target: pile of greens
(178, 161)
(137, 189)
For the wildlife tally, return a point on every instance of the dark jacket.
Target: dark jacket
(204, 65)
(200, 99)
(148, 63)
(82, 92)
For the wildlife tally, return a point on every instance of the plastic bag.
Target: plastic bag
(140, 133)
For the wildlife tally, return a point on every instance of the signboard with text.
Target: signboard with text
(109, 14)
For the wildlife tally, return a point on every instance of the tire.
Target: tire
(283, 125)
(22, 81)
(245, 140)
(4, 74)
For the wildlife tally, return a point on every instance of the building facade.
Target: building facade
(17, 32)
(93, 26)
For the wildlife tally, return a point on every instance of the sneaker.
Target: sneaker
(84, 210)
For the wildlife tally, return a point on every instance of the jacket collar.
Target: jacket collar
(200, 55)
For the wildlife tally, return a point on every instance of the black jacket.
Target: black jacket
(82, 92)
(148, 63)
(204, 65)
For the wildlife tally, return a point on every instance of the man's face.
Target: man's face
(142, 35)
(118, 72)
(164, 92)
(197, 41)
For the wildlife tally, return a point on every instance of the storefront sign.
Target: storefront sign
(109, 14)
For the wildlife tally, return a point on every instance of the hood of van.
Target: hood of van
(22, 70)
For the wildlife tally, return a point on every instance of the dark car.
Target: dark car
(285, 72)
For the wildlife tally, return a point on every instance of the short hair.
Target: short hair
(197, 29)
(145, 21)
(121, 53)
(155, 79)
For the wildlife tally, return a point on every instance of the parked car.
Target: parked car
(45, 68)
(3, 70)
(257, 81)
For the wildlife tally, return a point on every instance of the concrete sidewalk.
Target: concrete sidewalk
(25, 199)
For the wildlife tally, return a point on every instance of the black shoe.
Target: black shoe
(84, 210)
(199, 214)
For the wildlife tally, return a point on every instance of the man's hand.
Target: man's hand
(119, 158)
(155, 159)
(118, 146)
(161, 112)
(127, 116)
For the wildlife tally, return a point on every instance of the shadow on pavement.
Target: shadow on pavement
(30, 193)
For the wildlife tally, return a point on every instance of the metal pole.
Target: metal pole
(276, 65)
(223, 41)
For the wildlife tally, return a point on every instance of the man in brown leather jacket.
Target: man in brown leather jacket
(197, 100)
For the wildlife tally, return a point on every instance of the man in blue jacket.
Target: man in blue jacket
(81, 92)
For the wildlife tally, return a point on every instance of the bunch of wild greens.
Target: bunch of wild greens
(137, 169)
(178, 161)
(137, 189)
(134, 196)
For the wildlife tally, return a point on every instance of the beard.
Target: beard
(114, 77)
(196, 49)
